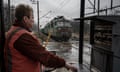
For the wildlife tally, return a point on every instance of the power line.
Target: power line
(67, 2)
(62, 4)
(62, 1)
(46, 14)
(51, 11)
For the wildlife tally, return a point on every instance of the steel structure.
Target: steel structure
(97, 11)
(96, 7)
(37, 2)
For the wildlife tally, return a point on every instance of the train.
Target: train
(59, 29)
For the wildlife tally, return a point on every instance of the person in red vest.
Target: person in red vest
(23, 51)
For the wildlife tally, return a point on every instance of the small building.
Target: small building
(105, 41)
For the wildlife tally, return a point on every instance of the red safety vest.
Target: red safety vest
(14, 60)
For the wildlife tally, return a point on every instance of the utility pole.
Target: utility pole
(36, 2)
(2, 38)
(81, 31)
(111, 4)
(94, 6)
(38, 15)
(98, 7)
(9, 10)
(9, 13)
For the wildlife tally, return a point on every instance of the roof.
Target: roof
(103, 18)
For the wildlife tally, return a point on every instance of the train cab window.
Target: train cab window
(60, 24)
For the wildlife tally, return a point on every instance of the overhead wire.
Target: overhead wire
(62, 4)
(59, 4)
(51, 11)
(65, 3)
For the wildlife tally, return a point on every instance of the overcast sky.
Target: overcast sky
(68, 8)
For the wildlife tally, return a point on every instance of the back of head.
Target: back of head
(22, 10)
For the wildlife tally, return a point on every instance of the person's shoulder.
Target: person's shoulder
(26, 35)
(26, 38)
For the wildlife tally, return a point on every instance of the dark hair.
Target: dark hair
(22, 10)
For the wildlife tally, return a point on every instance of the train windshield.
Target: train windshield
(60, 24)
(63, 24)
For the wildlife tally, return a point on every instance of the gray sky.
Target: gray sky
(69, 8)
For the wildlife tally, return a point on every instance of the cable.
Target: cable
(60, 4)
(46, 14)
(65, 3)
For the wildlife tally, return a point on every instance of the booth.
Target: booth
(105, 41)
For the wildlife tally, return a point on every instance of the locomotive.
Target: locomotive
(60, 29)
